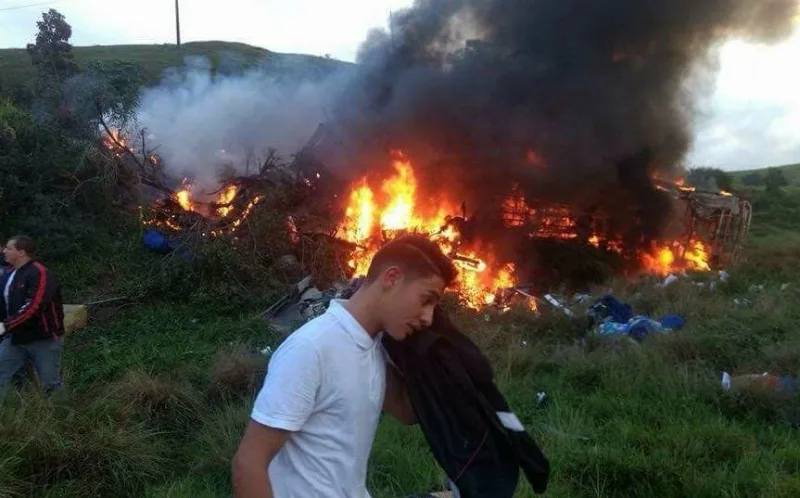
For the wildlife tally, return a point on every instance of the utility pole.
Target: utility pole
(177, 23)
(391, 27)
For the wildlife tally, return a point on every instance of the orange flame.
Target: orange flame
(361, 211)
(400, 189)
(697, 256)
(116, 142)
(675, 257)
(184, 196)
(681, 184)
(370, 217)
(226, 197)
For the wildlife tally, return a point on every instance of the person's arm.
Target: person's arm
(283, 405)
(396, 401)
(36, 293)
(258, 447)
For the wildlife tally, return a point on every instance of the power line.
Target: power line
(26, 6)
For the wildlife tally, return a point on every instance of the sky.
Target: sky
(752, 119)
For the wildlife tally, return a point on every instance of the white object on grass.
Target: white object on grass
(510, 421)
(552, 300)
(671, 278)
(726, 381)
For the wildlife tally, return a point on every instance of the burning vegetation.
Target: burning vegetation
(533, 162)
(490, 251)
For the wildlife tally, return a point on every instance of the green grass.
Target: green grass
(154, 59)
(776, 218)
(159, 393)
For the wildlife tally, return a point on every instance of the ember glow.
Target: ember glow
(375, 215)
(115, 142)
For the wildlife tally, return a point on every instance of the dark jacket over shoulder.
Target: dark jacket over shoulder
(471, 430)
(34, 310)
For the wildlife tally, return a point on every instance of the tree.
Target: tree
(753, 179)
(774, 180)
(52, 53)
(117, 87)
(711, 179)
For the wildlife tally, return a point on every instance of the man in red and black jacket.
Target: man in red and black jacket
(31, 317)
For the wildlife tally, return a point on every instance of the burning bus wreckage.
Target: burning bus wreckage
(534, 163)
(511, 251)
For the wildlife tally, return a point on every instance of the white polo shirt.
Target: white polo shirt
(325, 383)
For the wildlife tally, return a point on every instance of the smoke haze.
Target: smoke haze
(559, 96)
(201, 122)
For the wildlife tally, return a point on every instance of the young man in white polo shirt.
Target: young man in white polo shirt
(314, 421)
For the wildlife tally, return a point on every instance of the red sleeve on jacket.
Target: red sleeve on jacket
(34, 296)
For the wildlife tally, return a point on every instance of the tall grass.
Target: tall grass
(158, 395)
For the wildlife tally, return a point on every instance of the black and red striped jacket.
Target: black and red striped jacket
(34, 310)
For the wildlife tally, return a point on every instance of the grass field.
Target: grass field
(159, 393)
(154, 59)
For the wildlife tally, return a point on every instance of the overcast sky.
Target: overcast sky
(752, 120)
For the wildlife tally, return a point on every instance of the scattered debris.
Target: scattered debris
(556, 303)
(526, 293)
(741, 301)
(609, 317)
(723, 276)
(756, 288)
(783, 384)
(785, 286)
(75, 317)
(580, 298)
(303, 302)
(671, 278)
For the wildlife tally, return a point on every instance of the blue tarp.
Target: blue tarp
(164, 244)
(611, 317)
(156, 241)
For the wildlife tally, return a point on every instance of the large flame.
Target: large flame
(675, 257)
(400, 190)
(360, 213)
(372, 215)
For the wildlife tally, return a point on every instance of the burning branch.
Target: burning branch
(145, 177)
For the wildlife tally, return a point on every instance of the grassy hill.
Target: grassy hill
(790, 171)
(154, 59)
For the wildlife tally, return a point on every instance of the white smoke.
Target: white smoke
(201, 122)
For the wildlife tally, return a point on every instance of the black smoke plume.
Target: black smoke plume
(576, 101)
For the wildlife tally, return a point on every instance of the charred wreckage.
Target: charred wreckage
(512, 249)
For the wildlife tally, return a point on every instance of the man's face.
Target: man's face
(408, 303)
(12, 254)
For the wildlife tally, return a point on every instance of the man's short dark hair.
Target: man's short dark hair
(416, 255)
(24, 243)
